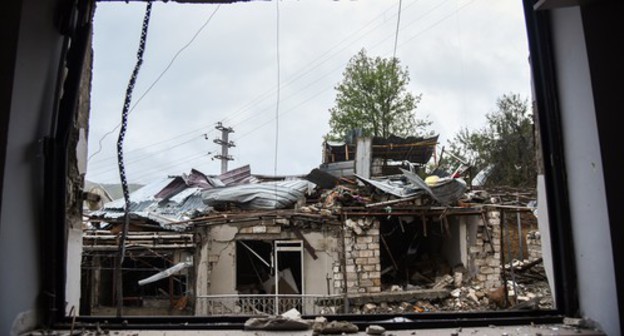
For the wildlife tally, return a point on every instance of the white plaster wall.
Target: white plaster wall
(74, 259)
(316, 271)
(222, 244)
(590, 222)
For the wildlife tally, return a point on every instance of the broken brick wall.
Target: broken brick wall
(359, 271)
(485, 251)
(534, 245)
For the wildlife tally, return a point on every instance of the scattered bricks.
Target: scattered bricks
(259, 229)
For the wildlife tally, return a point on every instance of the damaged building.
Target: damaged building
(330, 242)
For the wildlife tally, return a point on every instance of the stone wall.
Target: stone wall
(485, 252)
(534, 245)
(360, 271)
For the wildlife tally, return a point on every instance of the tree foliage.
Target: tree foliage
(507, 143)
(373, 98)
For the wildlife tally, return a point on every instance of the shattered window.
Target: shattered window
(308, 158)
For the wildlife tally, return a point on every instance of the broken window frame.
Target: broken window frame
(76, 23)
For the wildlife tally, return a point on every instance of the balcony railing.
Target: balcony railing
(262, 305)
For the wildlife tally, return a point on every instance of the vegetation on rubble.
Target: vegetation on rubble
(507, 142)
(373, 98)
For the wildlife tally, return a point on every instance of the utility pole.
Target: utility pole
(225, 146)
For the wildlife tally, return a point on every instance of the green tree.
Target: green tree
(506, 142)
(373, 98)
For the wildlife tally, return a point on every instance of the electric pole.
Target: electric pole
(225, 146)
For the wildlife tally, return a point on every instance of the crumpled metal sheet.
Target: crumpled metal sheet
(166, 273)
(268, 195)
(393, 187)
(445, 192)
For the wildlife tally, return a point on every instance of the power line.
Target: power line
(260, 98)
(157, 79)
(277, 102)
(396, 36)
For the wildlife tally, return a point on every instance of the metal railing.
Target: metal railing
(262, 305)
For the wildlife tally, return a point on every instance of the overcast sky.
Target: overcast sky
(461, 56)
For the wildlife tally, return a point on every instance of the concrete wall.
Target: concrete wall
(216, 259)
(590, 221)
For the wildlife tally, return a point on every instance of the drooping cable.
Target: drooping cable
(277, 46)
(120, 159)
(162, 73)
(277, 103)
(396, 34)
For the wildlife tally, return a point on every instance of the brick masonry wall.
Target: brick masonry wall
(485, 253)
(534, 245)
(362, 268)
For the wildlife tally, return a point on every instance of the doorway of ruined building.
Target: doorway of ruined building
(416, 251)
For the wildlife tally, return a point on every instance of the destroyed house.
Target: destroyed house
(361, 246)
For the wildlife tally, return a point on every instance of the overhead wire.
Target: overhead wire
(277, 96)
(374, 46)
(302, 74)
(248, 105)
(162, 73)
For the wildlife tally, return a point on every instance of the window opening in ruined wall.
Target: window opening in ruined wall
(441, 217)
